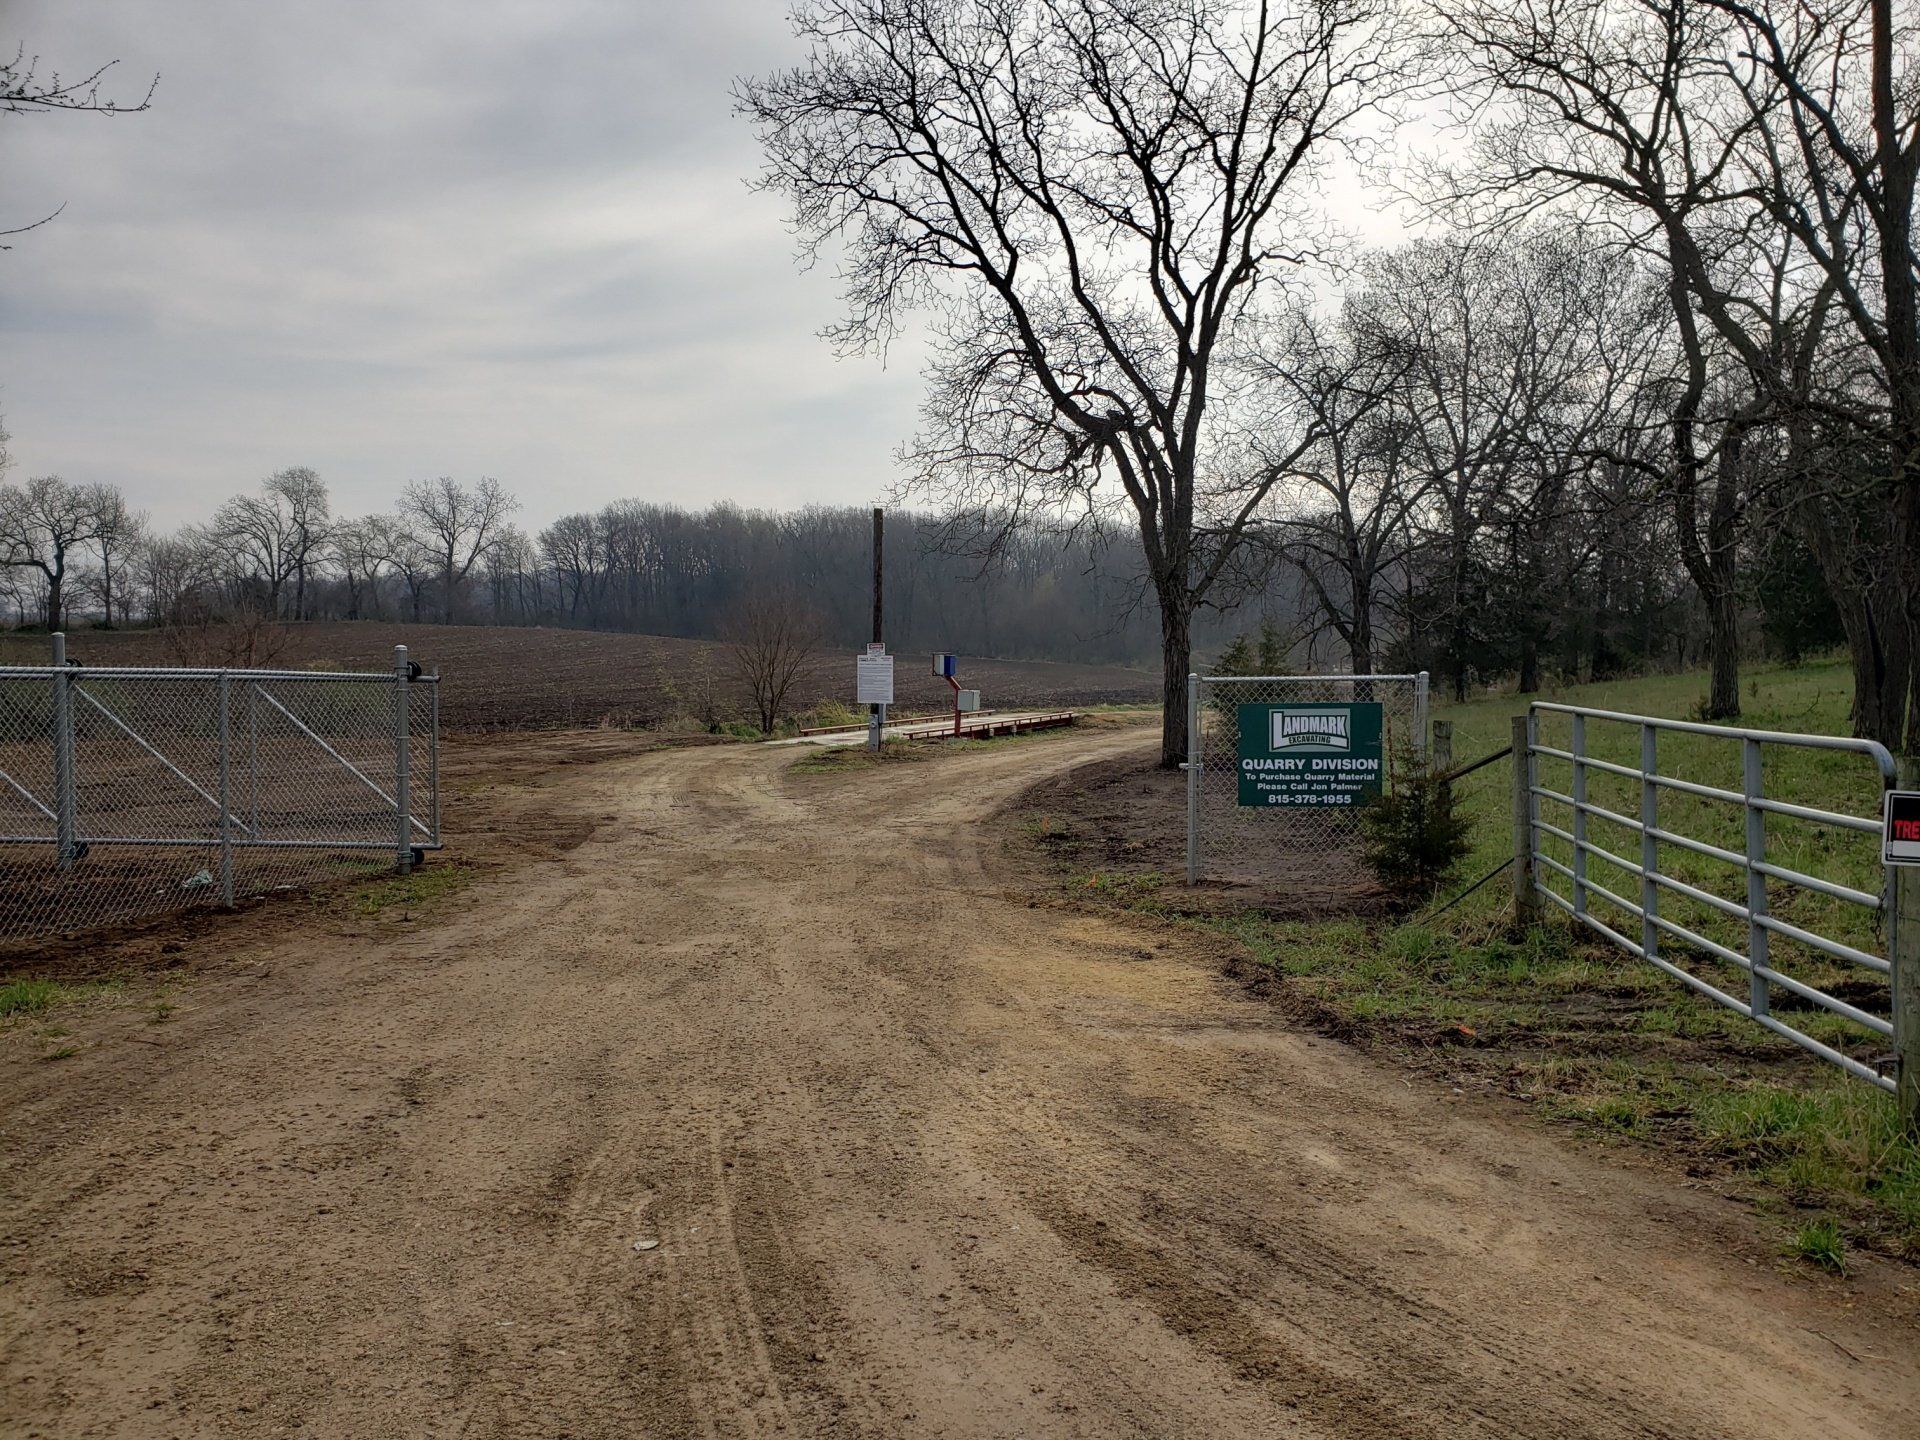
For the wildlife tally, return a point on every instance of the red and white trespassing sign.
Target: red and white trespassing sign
(1900, 835)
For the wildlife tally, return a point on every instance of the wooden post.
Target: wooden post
(1904, 883)
(1440, 756)
(879, 574)
(877, 714)
(1526, 901)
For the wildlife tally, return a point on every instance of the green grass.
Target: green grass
(1821, 1243)
(31, 997)
(1809, 699)
(429, 882)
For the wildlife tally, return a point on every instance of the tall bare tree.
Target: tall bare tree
(119, 534)
(44, 525)
(456, 525)
(302, 495)
(1089, 197)
(1347, 506)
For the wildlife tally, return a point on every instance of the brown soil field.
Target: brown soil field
(500, 678)
(725, 1097)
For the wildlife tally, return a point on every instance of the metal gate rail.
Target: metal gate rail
(1751, 861)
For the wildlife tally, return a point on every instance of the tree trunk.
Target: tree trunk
(1176, 658)
(56, 582)
(1529, 663)
(1723, 640)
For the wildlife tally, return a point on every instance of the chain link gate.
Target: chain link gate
(129, 792)
(1279, 805)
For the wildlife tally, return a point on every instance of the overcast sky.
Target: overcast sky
(441, 237)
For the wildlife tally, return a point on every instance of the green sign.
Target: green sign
(1324, 756)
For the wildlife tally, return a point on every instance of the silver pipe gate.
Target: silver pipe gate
(1746, 931)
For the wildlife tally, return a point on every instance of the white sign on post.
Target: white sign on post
(873, 677)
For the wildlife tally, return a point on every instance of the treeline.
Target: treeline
(450, 553)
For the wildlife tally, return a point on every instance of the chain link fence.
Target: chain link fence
(1279, 768)
(127, 793)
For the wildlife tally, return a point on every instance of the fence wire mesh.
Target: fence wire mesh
(130, 793)
(1305, 847)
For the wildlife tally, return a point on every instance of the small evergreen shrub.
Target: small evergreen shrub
(1412, 839)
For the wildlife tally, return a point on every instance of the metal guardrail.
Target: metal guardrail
(1751, 861)
(129, 791)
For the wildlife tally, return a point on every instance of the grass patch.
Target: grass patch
(31, 997)
(61, 1052)
(1819, 1242)
(427, 883)
(849, 759)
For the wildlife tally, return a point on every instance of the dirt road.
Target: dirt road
(924, 1155)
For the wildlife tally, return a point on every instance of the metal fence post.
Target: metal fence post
(433, 755)
(1750, 785)
(402, 763)
(1420, 708)
(1194, 752)
(226, 787)
(1649, 845)
(253, 758)
(1526, 903)
(1905, 885)
(1580, 815)
(66, 809)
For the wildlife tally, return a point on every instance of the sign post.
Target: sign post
(947, 667)
(1900, 849)
(873, 685)
(1311, 756)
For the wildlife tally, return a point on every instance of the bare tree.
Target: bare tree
(772, 641)
(1349, 501)
(1729, 142)
(361, 550)
(1090, 196)
(302, 496)
(258, 540)
(171, 572)
(43, 526)
(120, 532)
(456, 525)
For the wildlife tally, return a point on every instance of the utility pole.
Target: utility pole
(877, 716)
(879, 576)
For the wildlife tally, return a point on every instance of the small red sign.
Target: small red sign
(1900, 839)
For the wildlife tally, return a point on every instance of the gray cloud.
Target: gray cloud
(441, 237)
